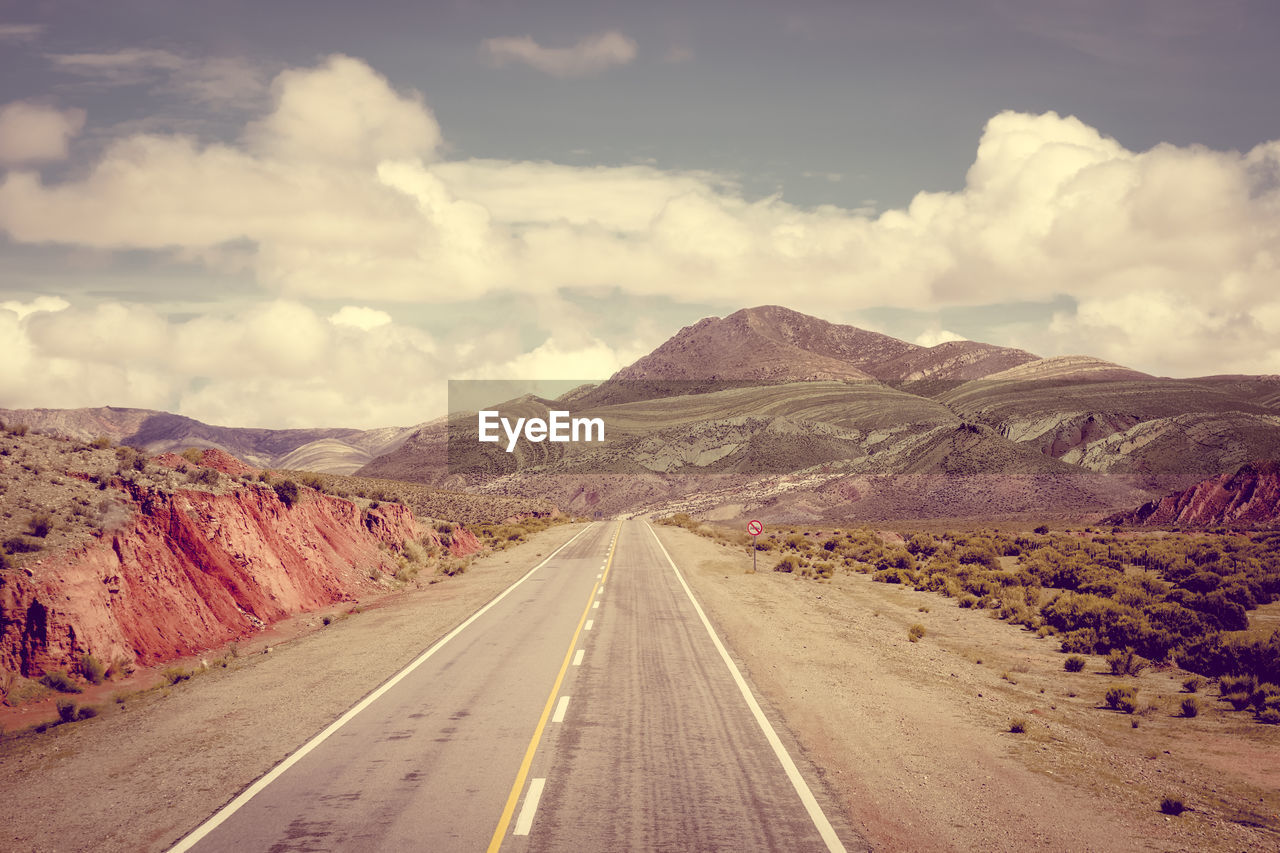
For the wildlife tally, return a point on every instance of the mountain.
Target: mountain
(769, 409)
(334, 451)
(1249, 495)
(775, 344)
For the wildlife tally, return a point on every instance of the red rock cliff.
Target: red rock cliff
(1249, 496)
(191, 571)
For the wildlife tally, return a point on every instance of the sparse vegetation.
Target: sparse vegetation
(287, 491)
(1018, 725)
(1172, 806)
(1190, 706)
(60, 681)
(1073, 663)
(92, 669)
(915, 632)
(1124, 699)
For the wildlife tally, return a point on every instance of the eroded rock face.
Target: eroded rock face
(1249, 496)
(194, 570)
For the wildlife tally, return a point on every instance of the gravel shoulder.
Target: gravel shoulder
(913, 739)
(148, 770)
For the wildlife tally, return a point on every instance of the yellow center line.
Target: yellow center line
(514, 797)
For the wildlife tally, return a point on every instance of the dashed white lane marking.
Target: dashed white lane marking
(595, 604)
(525, 822)
(561, 707)
(587, 627)
(577, 659)
(819, 818)
(194, 837)
(601, 589)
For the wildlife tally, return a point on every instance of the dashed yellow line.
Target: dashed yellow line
(523, 773)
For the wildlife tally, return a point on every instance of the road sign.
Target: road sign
(755, 528)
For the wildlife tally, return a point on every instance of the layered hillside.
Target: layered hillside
(1250, 495)
(768, 408)
(338, 451)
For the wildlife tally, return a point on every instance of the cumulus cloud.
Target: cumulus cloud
(589, 55)
(34, 133)
(935, 336)
(360, 317)
(40, 303)
(338, 192)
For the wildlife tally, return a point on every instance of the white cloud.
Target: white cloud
(40, 303)
(337, 193)
(589, 55)
(360, 317)
(34, 133)
(933, 337)
(20, 32)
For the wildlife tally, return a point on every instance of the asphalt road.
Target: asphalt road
(588, 708)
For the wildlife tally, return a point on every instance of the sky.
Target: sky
(315, 213)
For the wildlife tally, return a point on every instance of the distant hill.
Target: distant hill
(1249, 495)
(770, 409)
(336, 451)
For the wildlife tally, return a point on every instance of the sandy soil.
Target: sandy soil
(914, 739)
(145, 772)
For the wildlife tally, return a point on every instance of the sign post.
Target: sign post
(755, 528)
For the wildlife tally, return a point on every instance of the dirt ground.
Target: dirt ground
(914, 738)
(145, 772)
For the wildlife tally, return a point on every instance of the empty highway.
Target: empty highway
(589, 707)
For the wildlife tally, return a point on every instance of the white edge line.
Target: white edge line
(587, 627)
(561, 707)
(811, 806)
(577, 659)
(196, 835)
(525, 822)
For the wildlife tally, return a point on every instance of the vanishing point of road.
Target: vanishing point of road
(589, 707)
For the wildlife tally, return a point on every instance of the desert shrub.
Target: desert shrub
(121, 667)
(1237, 684)
(18, 429)
(88, 712)
(40, 524)
(1260, 697)
(130, 458)
(101, 443)
(967, 601)
(915, 632)
(1125, 662)
(1042, 530)
(1239, 701)
(194, 455)
(1172, 806)
(21, 545)
(287, 491)
(1190, 706)
(204, 477)
(414, 552)
(66, 710)
(786, 564)
(1270, 716)
(92, 669)
(1192, 684)
(174, 674)
(1122, 698)
(1018, 725)
(60, 681)
(1083, 641)
(1074, 663)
